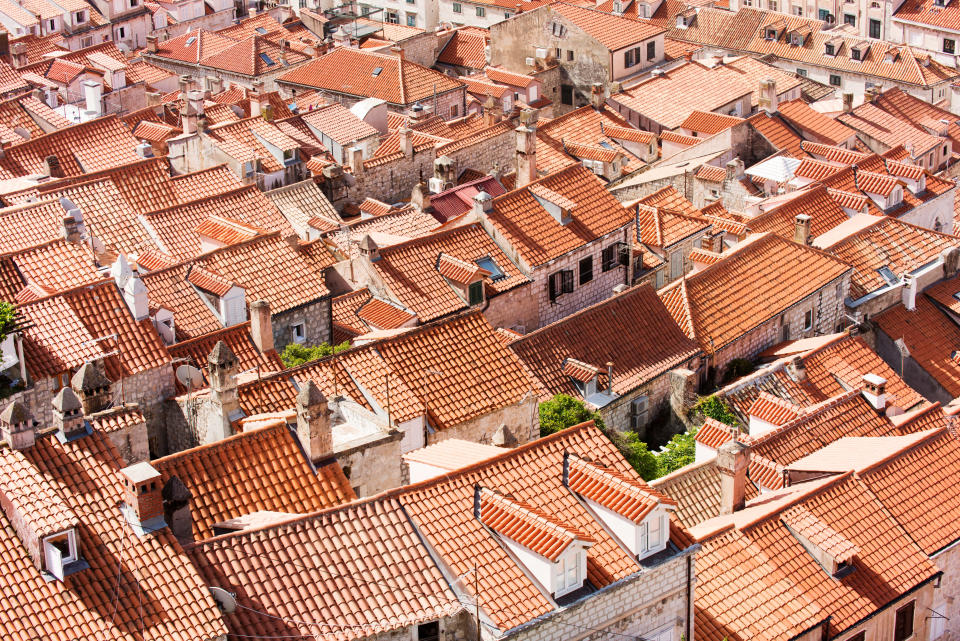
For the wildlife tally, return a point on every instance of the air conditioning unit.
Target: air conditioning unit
(541, 53)
(529, 62)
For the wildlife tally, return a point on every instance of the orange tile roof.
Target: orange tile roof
(670, 199)
(672, 136)
(345, 309)
(64, 327)
(696, 488)
(704, 256)
(815, 124)
(237, 337)
(383, 315)
(260, 470)
(888, 129)
(816, 169)
(611, 31)
(814, 201)
(57, 266)
(391, 228)
(84, 476)
(627, 496)
(340, 124)
(155, 131)
(718, 304)
(711, 173)
(537, 236)
(399, 82)
(773, 410)
(508, 77)
(168, 287)
(709, 123)
(194, 46)
(591, 127)
(253, 56)
(660, 227)
(899, 103)
(779, 134)
(603, 333)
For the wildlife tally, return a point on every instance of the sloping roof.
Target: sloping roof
(660, 227)
(632, 330)
(803, 117)
(354, 72)
(339, 123)
(814, 201)
(719, 303)
(194, 46)
(84, 477)
(890, 130)
(779, 134)
(696, 489)
(537, 236)
(709, 123)
(611, 31)
(466, 48)
(253, 56)
(259, 470)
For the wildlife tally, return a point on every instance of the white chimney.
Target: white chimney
(120, 271)
(482, 203)
(909, 292)
(92, 93)
(874, 390)
(233, 306)
(135, 295)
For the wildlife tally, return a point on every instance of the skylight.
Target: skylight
(888, 275)
(488, 264)
(267, 60)
(376, 72)
(191, 40)
(261, 31)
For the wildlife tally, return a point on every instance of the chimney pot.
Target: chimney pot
(142, 492)
(314, 427)
(801, 233)
(875, 391)
(92, 388)
(610, 377)
(152, 44)
(17, 426)
(482, 203)
(406, 142)
(261, 325)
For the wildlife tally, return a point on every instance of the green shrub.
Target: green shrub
(678, 451)
(716, 408)
(295, 354)
(563, 411)
(736, 368)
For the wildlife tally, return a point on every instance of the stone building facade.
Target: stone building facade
(310, 323)
(517, 423)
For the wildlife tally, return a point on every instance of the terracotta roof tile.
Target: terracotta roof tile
(383, 315)
(711, 173)
(696, 488)
(611, 31)
(194, 46)
(168, 287)
(709, 123)
(813, 123)
(263, 469)
(660, 227)
(762, 264)
(779, 134)
(627, 496)
(345, 309)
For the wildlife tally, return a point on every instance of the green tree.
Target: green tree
(563, 411)
(716, 408)
(678, 451)
(295, 354)
(7, 319)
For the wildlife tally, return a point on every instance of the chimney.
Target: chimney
(261, 326)
(847, 101)
(135, 296)
(215, 85)
(874, 390)
(152, 44)
(18, 55)
(797, 370)
(17, 426)
(909, 292)
(733, 459)
(801, 230)
(52, 168)
(526, 155)
(482, 204)
(420, 197)
(610, 378)
(92, 388)
(406, 142)
(222, 373)
(313, 423)
(355, 158)
(369, 249)
(397, 50)
(71, 230)
(144, 149)
(768, 96)
(184, 84)
(597, 99)
(176, 509)
(142, 496)
(68, 415)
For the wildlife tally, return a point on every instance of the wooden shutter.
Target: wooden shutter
(567, 277)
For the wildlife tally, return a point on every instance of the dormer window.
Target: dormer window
(60, 553)
(557, 205)
(855, 54)
(465, 278)
(829, 49)
(585, 377)
(833, 552)
(770, 34)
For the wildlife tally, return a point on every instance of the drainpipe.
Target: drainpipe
(689, 596)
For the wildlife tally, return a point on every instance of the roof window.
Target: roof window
(261, 31)
(267, 60)
(490, 265)
(888, 275)
(377, 71)
(191, 40)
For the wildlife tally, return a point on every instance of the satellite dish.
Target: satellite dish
(225, 600)
(190, 377)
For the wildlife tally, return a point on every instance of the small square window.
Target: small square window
(651, 50)
(903, 626)
(569, 55)
(835, 80)
(299, 333)
(949, 46)
(457, 7)
(566, 94)
(802, 73)
(481, 12)
(850, 20)
(808, 320)
(475, 293)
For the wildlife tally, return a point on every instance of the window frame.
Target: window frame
(875, 26)
(457, 7)
(900, 625)
(475, 293)
(481, 12)
(566, 90)
(299, 333)
(652, 50)
(952, 48)
(808, 320)
(585, 268)
(839, 80)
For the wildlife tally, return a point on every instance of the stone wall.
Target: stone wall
(131, 441)
(515, 309)
(659, 426)
(522, 419)
(148, 389)
(316, 318)
(374, 466)
(910, 370)
(656, 599)
(881, 625)
(828, 311)
(949, 563)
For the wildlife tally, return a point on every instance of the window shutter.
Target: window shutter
(553, 283)
(623, 254)
(567, 280)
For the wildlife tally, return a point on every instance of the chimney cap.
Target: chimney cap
(221, 355)
(310, 395)
(89, 378)
(16, 412)
(66, 400)
(482, 196)
(734, 446)
(368, 244)
(140, 472)
(875, 380)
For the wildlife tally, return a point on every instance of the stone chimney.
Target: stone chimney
(768, 96)
(92, 387)
(420, 197)
(610, 377)
(313, 423)
(526, 154)
(482, 204)
(369, 249)
(908, 292)
(176, 509)
(355, 160)
(222, 370)
(52, 168)
(142, 495)
(261, 326)
(397, 50)
(875, 391)
(68, 415)
(406, 142)
(801, 229)
(17, 426)
(152, 44)
(71, 230)
(597, 99)
(847, 97)
(733, 459)
(18, 55)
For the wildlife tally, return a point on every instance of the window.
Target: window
(567, 574)
(506, 15)
(53, 24)
(299, 333)
(802, 73)
(608, 259)
(638, 412)
(491, 266)
(628, 60)
(428, 631)
(949, 46)
(122, 32)
(566, 94)
(808, 320)
(859, 636)
(903, 625)
(86, 42)
(59, 551)
(773, 5)
(134, 3)
(457, 7)
(481, 12)
(835, 80)
(586, 270)
(798, 11)
(676, 264)
(855, 54)
(393, 18)
(78, 16)
(411, 20)
(569, 55)
(938, 621)
(560, 283)
(475, 293)
(454, 111)
(874, 29)
(823, 14)
(651, 50)
(850, 20)
(829, 49)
